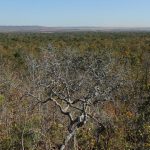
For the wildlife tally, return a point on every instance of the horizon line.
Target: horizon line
(82, 26)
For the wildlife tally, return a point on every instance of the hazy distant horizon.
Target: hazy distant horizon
(84, 26)
(41, 29)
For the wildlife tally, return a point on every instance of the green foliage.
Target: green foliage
(86, 138)
(2, 98)
(21, 136)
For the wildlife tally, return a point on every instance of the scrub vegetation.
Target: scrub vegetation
(75, 91)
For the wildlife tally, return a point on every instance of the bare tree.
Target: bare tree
(75, 83)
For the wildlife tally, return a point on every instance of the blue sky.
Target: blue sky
(104, 13)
